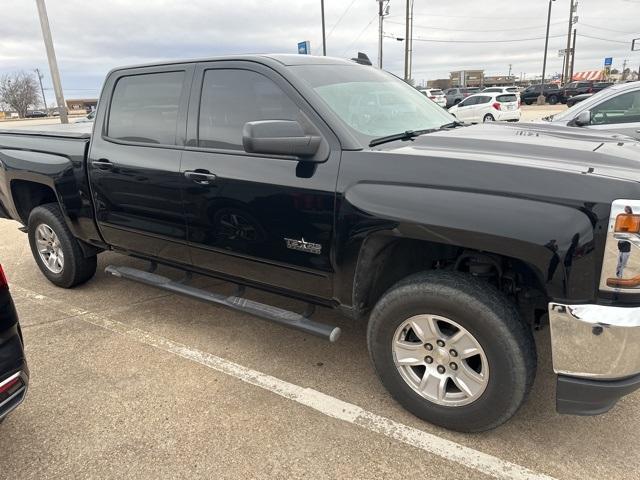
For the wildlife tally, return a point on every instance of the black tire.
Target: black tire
(552, 100)
(77, 268)
(485, 313)
(488, 118)
(528, 102)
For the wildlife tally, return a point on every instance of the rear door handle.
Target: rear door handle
(201, 177)
(102, 164)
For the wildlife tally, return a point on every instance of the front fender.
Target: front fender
(558, 241)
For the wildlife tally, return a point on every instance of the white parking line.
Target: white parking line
(325, 404)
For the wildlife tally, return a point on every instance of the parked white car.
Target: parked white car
(435, 94)
(488, 107)
(511, 89)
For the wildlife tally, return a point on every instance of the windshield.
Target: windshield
(371, 102)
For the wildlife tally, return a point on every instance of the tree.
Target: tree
(19, 91)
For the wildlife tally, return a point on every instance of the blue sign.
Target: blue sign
(304, 48)
(608, 61)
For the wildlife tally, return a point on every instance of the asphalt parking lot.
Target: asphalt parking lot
(130, 382)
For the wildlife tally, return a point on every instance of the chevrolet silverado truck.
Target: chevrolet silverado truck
(338, 184)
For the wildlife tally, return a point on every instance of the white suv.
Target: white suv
(435, 94)
(488, 107)
(511, 89)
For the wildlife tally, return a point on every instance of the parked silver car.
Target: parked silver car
(615, 109)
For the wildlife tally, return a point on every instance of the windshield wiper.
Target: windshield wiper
(406, 135)
(454, 124)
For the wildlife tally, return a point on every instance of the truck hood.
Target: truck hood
(534, 144)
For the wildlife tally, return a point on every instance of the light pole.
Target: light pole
(44, 100)
(324, 38)
(541, 98)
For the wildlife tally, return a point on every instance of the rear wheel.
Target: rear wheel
(56, 251)
(452, 350)
(528, 102)
(552, 99)
(488, 118)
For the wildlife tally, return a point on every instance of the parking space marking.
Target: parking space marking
(318, 401)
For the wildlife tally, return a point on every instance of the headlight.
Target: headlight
(621, 266)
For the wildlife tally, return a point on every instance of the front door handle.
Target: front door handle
(201, 177)
(102, 164)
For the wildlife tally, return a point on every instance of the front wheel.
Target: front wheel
(552, 100)
(55, 249)
(488, 118)
(452, 350)
(528, 102)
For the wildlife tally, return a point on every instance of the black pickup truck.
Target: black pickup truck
(337, 184)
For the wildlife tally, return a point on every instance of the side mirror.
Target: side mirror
(582, 119)
(279, 137)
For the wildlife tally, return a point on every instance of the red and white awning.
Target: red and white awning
(589, 75)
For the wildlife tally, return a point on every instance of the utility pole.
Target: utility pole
(53, 64)
(44, 100)
(324, 38)
(380, 31)
(541, 97)
(509, 75)
(408, 40)
(624, 67)
(573, 55)
(567, 60)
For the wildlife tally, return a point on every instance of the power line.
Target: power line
(582, 24)
(603, 39)
(435, 40)
(478, 31)
(360, 34)
(346, 10)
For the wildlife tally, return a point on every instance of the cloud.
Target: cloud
(92, 37)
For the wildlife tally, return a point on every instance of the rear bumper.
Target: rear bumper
(596, 354)
(508, 115)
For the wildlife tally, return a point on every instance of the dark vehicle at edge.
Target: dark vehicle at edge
(35, 114)
(14, 374)
(338, 185)
(552, 94)
(571, 101)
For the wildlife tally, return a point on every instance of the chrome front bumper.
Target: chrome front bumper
(595, 341)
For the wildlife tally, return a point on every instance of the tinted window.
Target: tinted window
(623, 108)
(512, 89)
(231, 98)
(144, 108)
(492, 90)
(482, 99)
(436, 92)
(506, 98)
(584, 84)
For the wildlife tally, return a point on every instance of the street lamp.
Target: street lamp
(541, 98)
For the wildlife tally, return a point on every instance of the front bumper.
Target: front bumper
(596, 354)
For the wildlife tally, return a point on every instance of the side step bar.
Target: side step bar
(275, 314)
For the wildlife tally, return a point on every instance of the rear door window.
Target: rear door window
(482, 99)
(144, 108)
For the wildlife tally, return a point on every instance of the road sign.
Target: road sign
(561, 52)
(608, 61)
(635, 44)
(304, 48)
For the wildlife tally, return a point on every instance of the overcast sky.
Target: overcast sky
(94, 36)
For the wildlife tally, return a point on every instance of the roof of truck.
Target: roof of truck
(287, 59)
